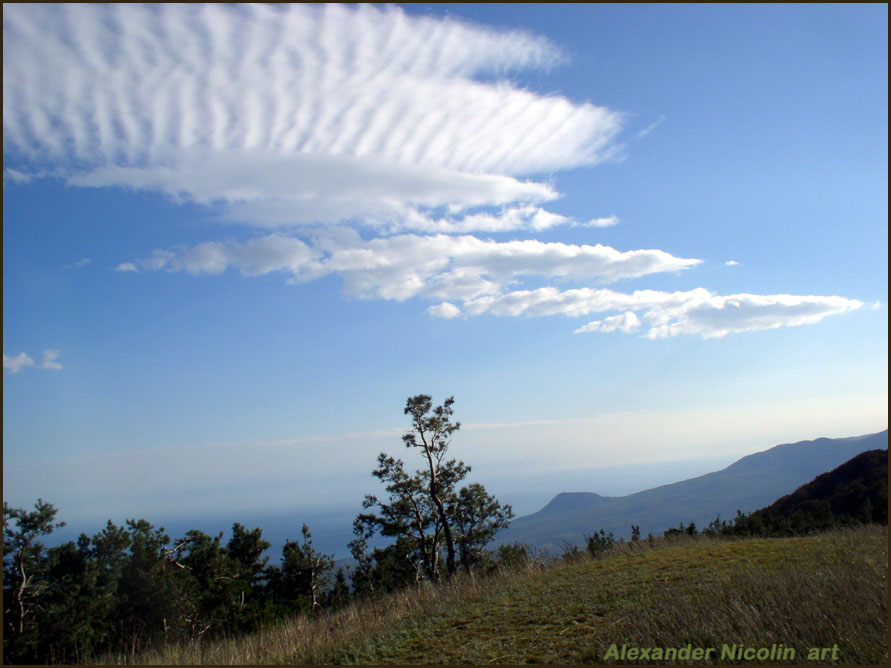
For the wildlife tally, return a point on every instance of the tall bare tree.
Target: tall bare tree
(431, 432)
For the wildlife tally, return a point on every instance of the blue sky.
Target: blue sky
(237, 238)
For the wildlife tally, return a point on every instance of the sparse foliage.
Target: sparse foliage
(426, 512)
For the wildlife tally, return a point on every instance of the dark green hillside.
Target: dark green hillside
(855, 492)
(750, 483)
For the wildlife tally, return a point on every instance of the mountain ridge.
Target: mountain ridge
(747, 484)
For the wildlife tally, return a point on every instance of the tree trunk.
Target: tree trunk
(440, 508)
(450, 543)
(20, 592)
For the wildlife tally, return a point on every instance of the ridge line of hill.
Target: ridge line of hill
(747, 484)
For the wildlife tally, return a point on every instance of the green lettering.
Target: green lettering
(835, 652)
(762, 653)
(684, 653)
(658, 653)
(632, 653)
(749, 653)
(671, 654)
(813, 654)
(697, 654)
(728, 652)
(612, 652)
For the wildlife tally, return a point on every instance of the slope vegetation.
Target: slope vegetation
(854, 493)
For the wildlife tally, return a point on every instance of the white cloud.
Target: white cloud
(652, 126)
(49, 360)
(466, 267)
(255, 257)
(668, 313)
(607, 221)
(509, 218)
(16, 176)
(714, 316)
(444, 310)
(479, 273)
(126, 266)
(575, 302)
(627, 322)
(403, 266)
(24, 361)
(732, 263)
(289, 114)
(270, 190)
(79, 264)
(327, 116)
(16, 363)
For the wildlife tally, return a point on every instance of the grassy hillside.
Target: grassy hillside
(823, 591)
(750, 483)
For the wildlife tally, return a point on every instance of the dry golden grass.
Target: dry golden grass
(815, 591)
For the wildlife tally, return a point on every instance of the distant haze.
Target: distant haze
(524, 463)
(332, 526)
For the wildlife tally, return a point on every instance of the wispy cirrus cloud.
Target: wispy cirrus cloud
(290, 113)
(15, 176)
(83, 262)
(652, 126)
(49, 360)
(668, 314)
(255, 257)
(17, 363)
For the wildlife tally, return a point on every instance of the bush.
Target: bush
(598, 543)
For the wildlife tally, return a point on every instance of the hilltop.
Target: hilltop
(822, 591)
